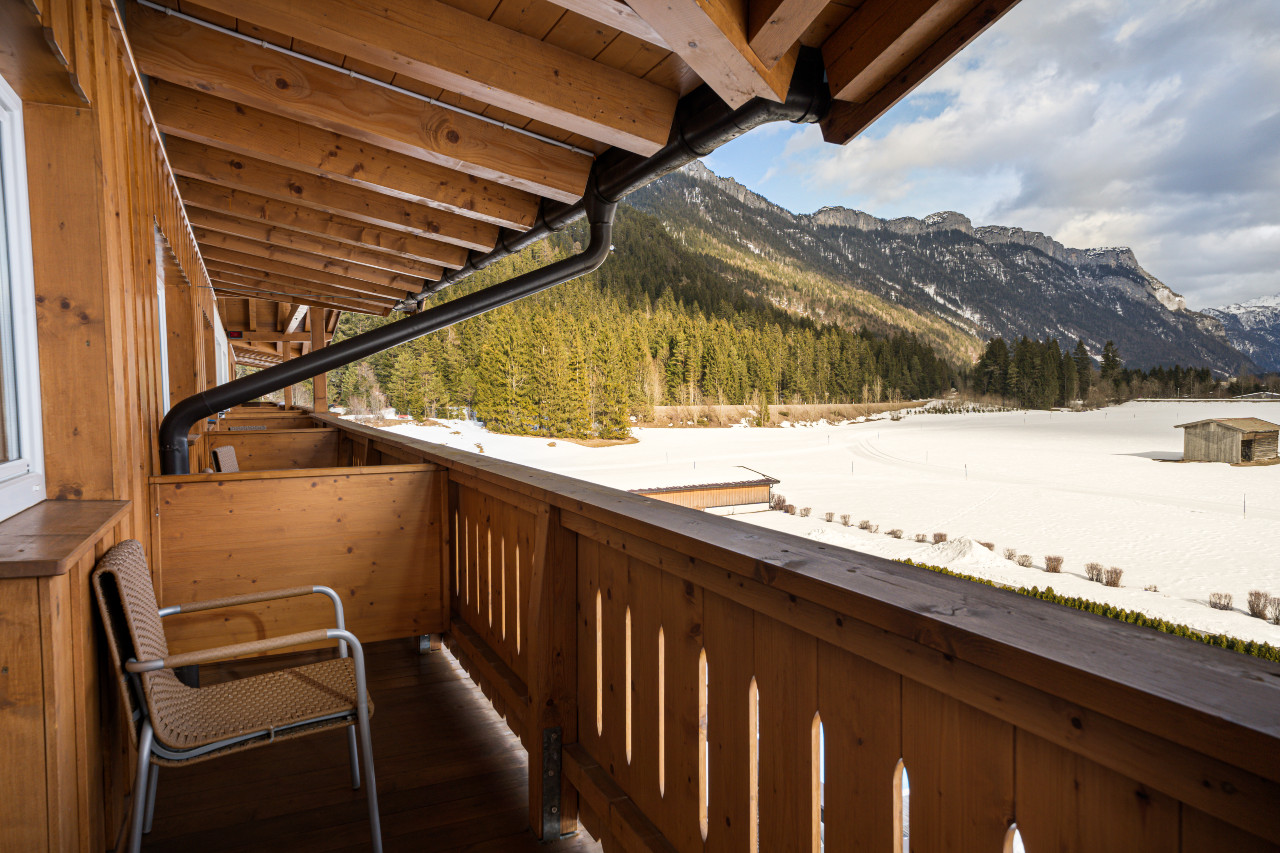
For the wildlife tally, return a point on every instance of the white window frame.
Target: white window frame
(22, 478)
(161, 273)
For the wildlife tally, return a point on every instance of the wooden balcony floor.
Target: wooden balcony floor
(451, 776)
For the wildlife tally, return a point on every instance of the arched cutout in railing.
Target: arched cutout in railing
(627, 683)
(599, 664)
(488, 572)
(502, 583)
(704, 787)
(1013, 840)
(818, 774)
(753, 763)
(662, 713)
(901, 808)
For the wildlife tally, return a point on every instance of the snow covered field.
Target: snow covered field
(1087, 486)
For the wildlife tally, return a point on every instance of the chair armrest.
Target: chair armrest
(227, 652)
(233, 600)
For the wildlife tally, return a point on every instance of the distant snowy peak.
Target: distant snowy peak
(1253, 327)
(949, 220)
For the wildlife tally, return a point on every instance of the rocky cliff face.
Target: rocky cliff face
(1254, 328)
(987, 281)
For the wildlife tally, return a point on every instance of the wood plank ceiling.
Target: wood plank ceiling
(334, 154)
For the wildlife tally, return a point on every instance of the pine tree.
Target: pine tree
(1084, 368)
(1070, 382)
(1111, 364)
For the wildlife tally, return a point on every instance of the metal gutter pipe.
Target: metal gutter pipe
(703, 123)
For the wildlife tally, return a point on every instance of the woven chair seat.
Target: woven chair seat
(198, 716)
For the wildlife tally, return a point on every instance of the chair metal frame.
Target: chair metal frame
(148, 746)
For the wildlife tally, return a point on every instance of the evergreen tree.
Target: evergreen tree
(1084, 368)
(1111, 364)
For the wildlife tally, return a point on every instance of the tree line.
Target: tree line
(1044, 375)
(656, 325)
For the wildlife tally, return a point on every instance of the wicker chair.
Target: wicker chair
(224, 459)
(176, 724)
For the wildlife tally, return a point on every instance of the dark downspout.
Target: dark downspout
(703, 123)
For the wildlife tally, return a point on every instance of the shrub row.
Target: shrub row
(1266, 651)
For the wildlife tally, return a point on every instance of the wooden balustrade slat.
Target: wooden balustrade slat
(484, 568)
(505, 689)
(1066, 802)
(589, 715)
(730, 643)
(861, 705)
(960, 765)
(553, 654)
(645, 595)
(612, 571)
(682, 629)
(1202, 832)
(786, 665)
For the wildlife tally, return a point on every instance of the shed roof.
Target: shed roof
(1240, 424)
(675, 478)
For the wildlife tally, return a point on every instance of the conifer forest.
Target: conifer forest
(656, 325)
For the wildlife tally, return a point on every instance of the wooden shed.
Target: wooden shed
(1229, 440)
(723, 489)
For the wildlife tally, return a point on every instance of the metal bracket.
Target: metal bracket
(551, 765)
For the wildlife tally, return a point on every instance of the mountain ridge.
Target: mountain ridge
(1253, 327)
(982, 280)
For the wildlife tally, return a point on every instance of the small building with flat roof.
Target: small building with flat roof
(722, 489)
(1231, 440)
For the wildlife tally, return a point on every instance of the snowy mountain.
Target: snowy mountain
(1253, 327)
(982, 281)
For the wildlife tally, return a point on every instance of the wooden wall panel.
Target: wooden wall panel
(271, 450)
(371, 534)
(23, 798)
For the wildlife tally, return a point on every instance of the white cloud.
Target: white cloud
(1101, 122)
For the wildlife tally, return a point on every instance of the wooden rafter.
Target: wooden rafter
(877, 67)
(711, 36)
(436, 44)
(187, 54)
(283, 288)
(304, 259)
(262, 232)
(230, 281)
(615, 14)
(396, 290)
(252, 132)
(297, 316)
(774, 26)
(318, 223)
(223, 168)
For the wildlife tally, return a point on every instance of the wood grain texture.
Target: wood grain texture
(431, 42)
(774, 26)
(212, 222)
(309, 221)
(711, 36)
(51, 537)
(223, 168)
(366, 533)
(23, 794)
(227, 67)
(269, 450)
(337, 266)
(252, 132)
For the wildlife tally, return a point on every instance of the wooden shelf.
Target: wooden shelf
(51, 536)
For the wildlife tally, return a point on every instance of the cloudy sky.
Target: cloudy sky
(1153, 124)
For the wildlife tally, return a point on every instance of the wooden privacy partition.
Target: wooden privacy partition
(276, 449)
(373, 534)
(701, 671)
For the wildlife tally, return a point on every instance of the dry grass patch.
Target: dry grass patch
(1220, 600)
(1053, 564)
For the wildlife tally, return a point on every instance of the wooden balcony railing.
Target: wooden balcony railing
(716, 686)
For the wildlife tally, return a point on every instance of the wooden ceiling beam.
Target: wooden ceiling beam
(303, 259)
(331, 226)
(774, 26)
(616, 14)
(263, 232)
(266, 287)
(190, 55)
(875, 81)
(257, 133)
(227, 256)
(215, 166)
(711, 37)
(296, 321)
(437, 44)
(274, 337)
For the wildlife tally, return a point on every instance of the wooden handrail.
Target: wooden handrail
(1051, 696)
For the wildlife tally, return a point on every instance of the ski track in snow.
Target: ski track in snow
(1086, 486)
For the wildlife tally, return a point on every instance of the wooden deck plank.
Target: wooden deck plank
(450, 775)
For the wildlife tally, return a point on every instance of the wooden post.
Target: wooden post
(320, 388)
(553, 675)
